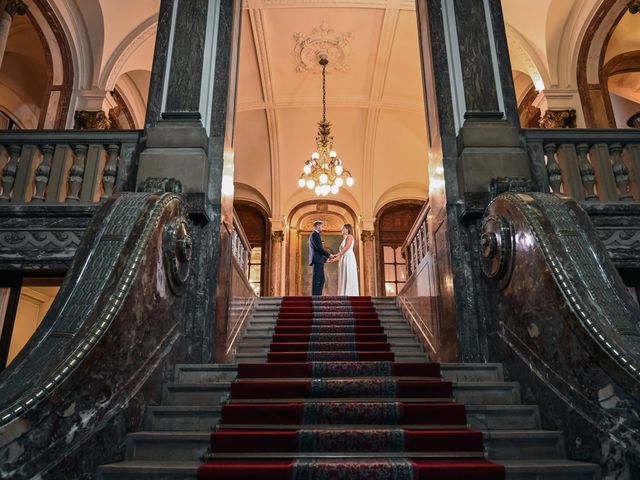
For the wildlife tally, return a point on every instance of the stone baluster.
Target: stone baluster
(110, 171)
(43, 172)
(620, 172)
(553, 167)
(586, 171)
(9, 172)
(76, 173)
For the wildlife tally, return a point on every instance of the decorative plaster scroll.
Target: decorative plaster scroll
(322, 40)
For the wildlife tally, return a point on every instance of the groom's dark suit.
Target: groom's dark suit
(317, 257)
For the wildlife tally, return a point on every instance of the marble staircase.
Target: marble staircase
(177, 431)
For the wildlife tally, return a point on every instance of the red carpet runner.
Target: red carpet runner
(332, 404)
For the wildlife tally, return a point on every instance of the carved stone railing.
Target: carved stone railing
(105, 347)
(240, 246)
(416, 246)
(66, 167)
(586, 164)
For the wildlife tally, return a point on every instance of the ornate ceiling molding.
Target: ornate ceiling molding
(322, 40)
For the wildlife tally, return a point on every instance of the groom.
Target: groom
(317, 257)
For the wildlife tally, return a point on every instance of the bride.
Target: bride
(347, 270)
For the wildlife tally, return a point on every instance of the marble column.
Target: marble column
(277, 237)
(189, 137)
(369, 263)
(9, 8)
(474, 137)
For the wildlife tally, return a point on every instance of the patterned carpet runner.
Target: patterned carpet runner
(331, 403)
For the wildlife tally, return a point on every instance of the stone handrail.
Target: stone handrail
(586, 164)
(416, 245)
(69, 167)
(563, 322)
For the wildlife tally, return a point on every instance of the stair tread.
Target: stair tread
(153, 464)
(545, 463)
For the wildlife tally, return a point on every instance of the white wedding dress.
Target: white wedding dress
(348, 272)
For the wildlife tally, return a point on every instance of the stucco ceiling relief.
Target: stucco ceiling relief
(322, 41)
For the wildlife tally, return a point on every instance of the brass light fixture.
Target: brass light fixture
(323, 172)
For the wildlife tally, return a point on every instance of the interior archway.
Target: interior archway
(300, 224)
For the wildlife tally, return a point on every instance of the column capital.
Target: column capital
(367, 235)
(277, 236)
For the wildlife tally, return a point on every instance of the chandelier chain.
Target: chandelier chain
(324, 93)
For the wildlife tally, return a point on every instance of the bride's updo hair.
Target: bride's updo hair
(349, 228)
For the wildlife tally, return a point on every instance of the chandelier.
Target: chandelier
(323, 172)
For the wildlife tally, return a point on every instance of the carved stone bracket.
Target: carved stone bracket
(160, 185)
(511, 184)
(322, 40)
(558, 119)
(85, 120)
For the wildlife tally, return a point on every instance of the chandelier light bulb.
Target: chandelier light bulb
(325, 190)
(324, 178)
(349, 181)
(310, 184)
(307, 168)
(333, 154)
(318, 190)
(338, 182)
(334, 189)
(339, 169)
(301, 182)
(315, 155)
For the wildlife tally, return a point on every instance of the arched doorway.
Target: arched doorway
(334, 215)
(255, 224)
(393, 224)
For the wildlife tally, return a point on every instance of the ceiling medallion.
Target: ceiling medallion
(321, 40)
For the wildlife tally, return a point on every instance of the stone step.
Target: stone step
(469, 372)
(470, 393)
(199, 373)
(400, 357)
(264, 328)
(503, 417)
(487, 393)
(182, 418)
(195, 394)
(524, 444)
(191, 445)
(148, 470)
(480, 417)
(261, 347)
(540, 469)
(550, 469)
(169, 446)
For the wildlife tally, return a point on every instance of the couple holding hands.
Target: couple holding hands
(347, 269)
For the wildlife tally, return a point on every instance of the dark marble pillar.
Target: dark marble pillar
(189, 137)
(474, 136)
